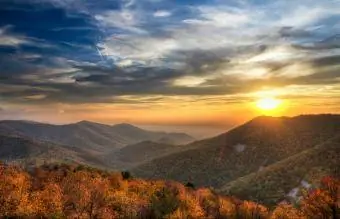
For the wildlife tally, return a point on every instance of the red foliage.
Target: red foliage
(79, 192)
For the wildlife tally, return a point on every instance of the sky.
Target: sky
(183, 65)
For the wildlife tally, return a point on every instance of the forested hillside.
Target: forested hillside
(96, 137)
(289, 178)
(63, 191)
(243, 150)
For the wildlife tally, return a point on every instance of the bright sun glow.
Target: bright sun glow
(268, 103)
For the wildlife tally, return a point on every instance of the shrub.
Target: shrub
(126, 175)
(190, 185)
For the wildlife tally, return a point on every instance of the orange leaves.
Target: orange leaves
(249, 210)
(227, 208)
(318, 203)
(323, 202)
(48, 202)
(332, 185)
(287, 211)
(14, 186)
(85, 193)
(70, 192)
(126, 204)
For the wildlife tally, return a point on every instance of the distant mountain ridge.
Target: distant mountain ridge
(25, 151)
(89, 135)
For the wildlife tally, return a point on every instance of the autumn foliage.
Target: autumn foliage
(63, 191)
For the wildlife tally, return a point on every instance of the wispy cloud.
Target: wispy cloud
(162, 13)
(124, 20)
(109, 49)
(8, 39)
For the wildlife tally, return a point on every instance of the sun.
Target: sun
(268, 103)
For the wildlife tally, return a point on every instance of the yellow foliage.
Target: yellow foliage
(66, 192)
(287, 211)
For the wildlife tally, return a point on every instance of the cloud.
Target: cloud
(220, 26)
(125, 20)
(331, 42)
(332, 60)
(162, 13)
(303, 16)
(220, 17)
(36, 97)
(145, 50)
(8, 39)
(102, 53)
(93, 84)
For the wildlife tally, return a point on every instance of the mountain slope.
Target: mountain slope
(96, 137)
(19, 149)
(135, 154)
(85, 135)
(139, 135)
(243, 150)
(175, 139)
(281, 179)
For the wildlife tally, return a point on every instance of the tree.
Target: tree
(14, 192)
(48, 202)
(190, 185)
(323, 202)
(126, 175)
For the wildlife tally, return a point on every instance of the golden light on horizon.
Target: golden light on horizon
(268, 103)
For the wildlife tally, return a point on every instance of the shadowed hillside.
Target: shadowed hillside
(89, 143)
(135, 154)
(288, 177)
(246, 149)
(96, 137)
(29, 152)
(139, 134)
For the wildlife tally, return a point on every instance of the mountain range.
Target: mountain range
(266, 159)
(84, 142)
(259, 149)
(30, 152)
(92, 136)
